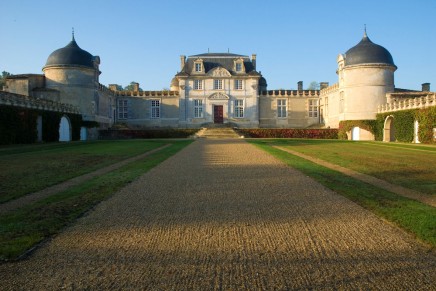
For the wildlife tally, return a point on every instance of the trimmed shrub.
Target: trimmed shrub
(289, 133)
(403, 122)
(146, 133)
(18, 125)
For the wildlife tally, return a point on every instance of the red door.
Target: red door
(218, 114)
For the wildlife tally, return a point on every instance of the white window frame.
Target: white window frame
(198, 67)
(313, 108)
(198, 84)
(123, 108)
(282, 108)
(239, 108)
(238, 67)
(155, 109)
(239, 84)
(218, 84)
(198, 108)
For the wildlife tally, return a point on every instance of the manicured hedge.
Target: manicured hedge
(289, 133)
(347, 125)
(403, 122)
(145, 133)
(18, 125)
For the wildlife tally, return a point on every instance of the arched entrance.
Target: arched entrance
(389, 129)
(355, 133)
(83, 133)
(415, 132)
(65, 129)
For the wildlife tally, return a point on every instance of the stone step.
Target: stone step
(218, 133)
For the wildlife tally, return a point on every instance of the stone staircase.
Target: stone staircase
(217, 132)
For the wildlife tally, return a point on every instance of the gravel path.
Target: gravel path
(225, 215)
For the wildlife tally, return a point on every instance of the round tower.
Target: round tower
(366, 74)
(74, 72)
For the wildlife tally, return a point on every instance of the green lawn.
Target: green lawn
(415, 217)
(22, 229)
(29, 168)
(410, 166)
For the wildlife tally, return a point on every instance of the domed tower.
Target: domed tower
(174, 86)
(74, 72)
(366, 74)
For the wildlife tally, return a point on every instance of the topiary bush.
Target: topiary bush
(289, 133)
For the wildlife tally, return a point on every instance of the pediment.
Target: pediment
(219, 96)
(219, 72)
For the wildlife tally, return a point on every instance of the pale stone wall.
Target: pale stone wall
(297, 109)
(24, 84)
(329, 99)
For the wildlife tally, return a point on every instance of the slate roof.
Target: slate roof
(367, 52)
(213, 60)
(70, 55)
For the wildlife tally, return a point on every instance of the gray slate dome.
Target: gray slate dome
(262, 82)
(70, 55)
(367, 52)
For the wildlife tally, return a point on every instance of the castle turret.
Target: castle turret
(366, 74)
(74, 72)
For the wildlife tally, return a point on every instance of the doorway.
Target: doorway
(218, 114)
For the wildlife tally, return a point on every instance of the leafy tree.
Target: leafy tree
(314, 85)
(131, 86)
(3, 79)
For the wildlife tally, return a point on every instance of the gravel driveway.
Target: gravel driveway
(222, 214)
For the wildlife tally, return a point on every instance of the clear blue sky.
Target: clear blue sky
(294, 40)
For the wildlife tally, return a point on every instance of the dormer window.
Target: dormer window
(238, 66)
(198, 66)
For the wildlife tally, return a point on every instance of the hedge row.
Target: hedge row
(289, 133)
(146, 133)
(403, 123)
(18, 125)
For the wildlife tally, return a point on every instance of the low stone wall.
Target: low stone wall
(145, 133)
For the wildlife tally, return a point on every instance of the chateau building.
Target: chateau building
(221, 88)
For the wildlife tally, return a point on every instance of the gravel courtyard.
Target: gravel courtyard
(222, 214)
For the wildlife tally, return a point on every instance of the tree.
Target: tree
(314, 85)
(131, 86)
(3, 79)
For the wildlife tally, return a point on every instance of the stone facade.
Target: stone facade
(224, 88)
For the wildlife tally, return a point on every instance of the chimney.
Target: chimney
(425, 87)
(300, 85)
(182, 62)
(323, 85)
(253, 61)
(135, 87)
(113, 87)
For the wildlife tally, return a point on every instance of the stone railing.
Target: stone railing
(330, 89)
(409, 103)
(286, 93)
(163, 93)
(16, 100)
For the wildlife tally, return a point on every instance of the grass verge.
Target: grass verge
(410, 166)
(413, 216)
(24, 228)
(27, 169)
